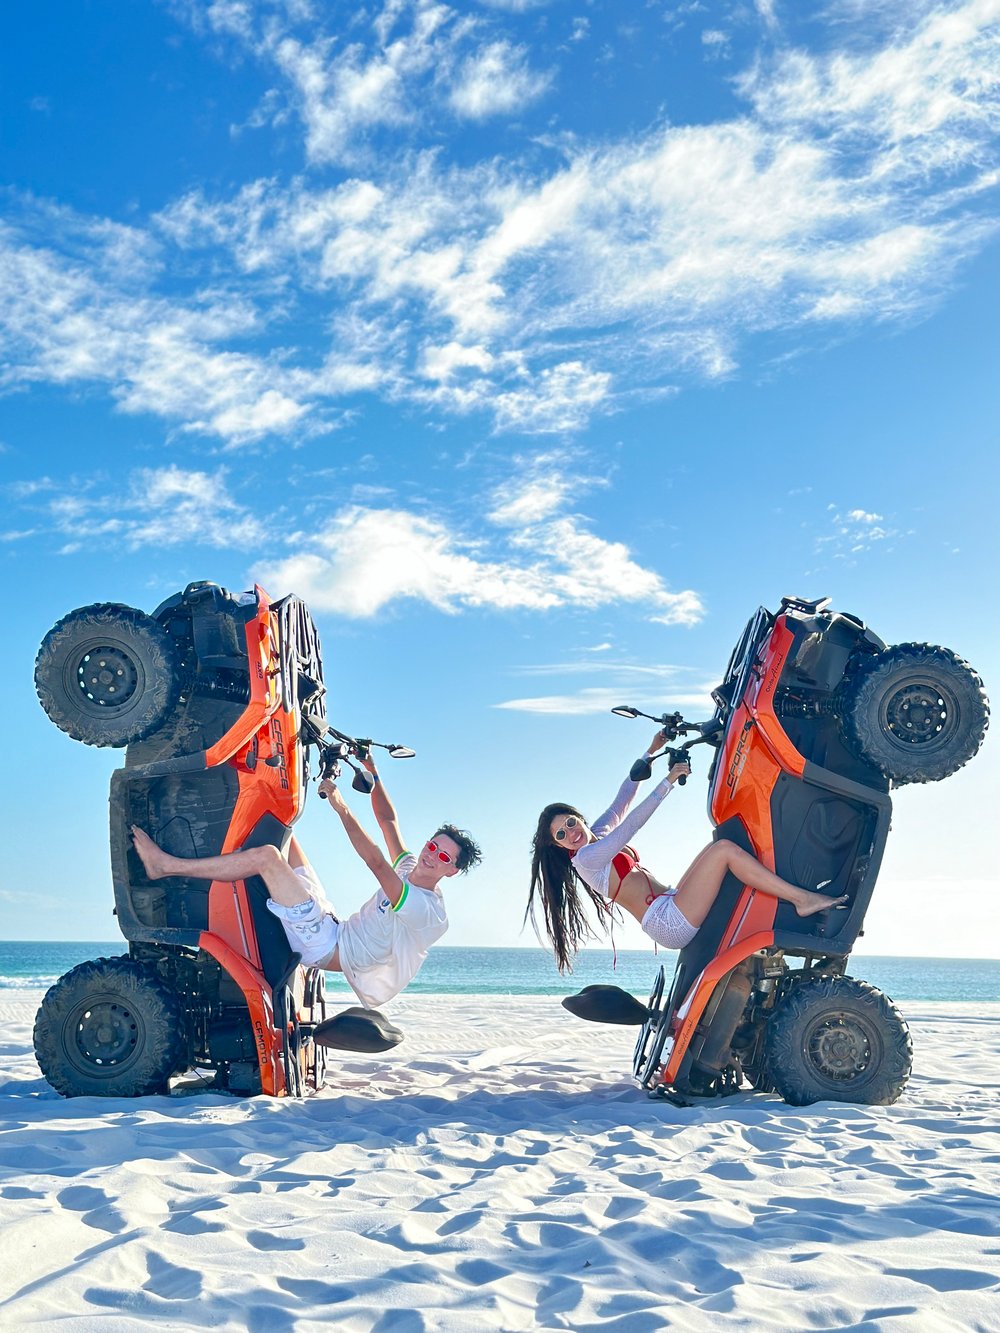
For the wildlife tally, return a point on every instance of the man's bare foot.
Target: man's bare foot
(819, 902)
(154, 859)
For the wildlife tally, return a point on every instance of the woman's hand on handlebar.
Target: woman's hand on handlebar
(658, 742)
(679, 771)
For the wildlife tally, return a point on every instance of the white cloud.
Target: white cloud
(156, 507)
(941, 74)
(601, 699)
(857, 531)
(650, 257)
(74, 320)
(560, 398)
(441, 363)
(496, 80)
(365, 559)
(653, 689)
(340, 95)
(850, 190)
(516, 6)
(403, 63)
(536, 497)
(271, 413)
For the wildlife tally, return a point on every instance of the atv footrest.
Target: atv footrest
(607, 1004)
(358, 1029)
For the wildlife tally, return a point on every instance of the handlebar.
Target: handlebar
(672, 725)
(347, 749)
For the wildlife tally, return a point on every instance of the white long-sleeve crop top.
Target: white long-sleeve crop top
(613, 830)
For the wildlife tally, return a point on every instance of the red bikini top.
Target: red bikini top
(625, 861)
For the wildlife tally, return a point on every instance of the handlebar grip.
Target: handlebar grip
(679, 757)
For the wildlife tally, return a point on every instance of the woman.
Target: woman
(569, 856)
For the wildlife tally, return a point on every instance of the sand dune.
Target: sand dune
(499, 1171)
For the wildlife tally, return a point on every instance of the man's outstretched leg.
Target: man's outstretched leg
(283, 884)
(309, 928)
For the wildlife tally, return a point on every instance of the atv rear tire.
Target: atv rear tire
(917, 712)
(107, 674)
(110, 1028)
(835, 1038)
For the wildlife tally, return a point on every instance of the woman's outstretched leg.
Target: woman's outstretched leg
(699, 886)
(283, 885)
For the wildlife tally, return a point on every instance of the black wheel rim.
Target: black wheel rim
(105, 679)
(842, 1048)
(104, 1035)
(918, 714)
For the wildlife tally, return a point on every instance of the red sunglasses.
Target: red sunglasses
(446, 857)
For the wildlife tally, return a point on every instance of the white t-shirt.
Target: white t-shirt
(382, 947)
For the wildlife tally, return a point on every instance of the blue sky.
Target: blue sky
(535, 343)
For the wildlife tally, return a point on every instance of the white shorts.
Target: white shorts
(310, 927)
(665, 923)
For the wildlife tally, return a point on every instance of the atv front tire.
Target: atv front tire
(107, 674)
(917, 712)
(110, 1028)
(838, 1039)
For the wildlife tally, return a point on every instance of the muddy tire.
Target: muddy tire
(837, 1039)
(110, 1028)
(107, 674)
(916, 712)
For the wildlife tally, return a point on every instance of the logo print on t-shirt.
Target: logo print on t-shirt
(384, 905)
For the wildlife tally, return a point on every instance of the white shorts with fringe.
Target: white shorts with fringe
(665, 923)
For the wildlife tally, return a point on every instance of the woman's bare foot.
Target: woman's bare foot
(155, 860)
(819, 902)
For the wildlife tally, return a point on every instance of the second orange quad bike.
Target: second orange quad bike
(219, 700)
(816, 721)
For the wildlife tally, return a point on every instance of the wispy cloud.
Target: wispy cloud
(527, 553)
(522, 547)
(853, 532)
(81, 310)
(408, 63)
(155, 507)
(497, 80)
(654, 689)
(540, 289)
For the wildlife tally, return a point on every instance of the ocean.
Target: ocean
(531, 971)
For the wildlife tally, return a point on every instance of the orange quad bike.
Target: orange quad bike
(218, 699)
(816, 721)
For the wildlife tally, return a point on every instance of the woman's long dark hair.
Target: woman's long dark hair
(558, 885)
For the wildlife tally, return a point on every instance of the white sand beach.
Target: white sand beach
(498, 1170)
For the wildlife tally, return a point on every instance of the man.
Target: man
(379, 948)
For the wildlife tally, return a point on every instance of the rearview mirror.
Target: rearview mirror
(363, 781)
(640, 770)
(626, 710)
(401, 752)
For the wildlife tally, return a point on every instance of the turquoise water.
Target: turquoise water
(451, 971)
